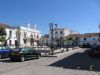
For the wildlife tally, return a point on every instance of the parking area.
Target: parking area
(70, 63)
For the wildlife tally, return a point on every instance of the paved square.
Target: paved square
(66, 63)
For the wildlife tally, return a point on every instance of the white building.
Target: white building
(10, 35)
(44, 39)
(26, 34)
(89, 39)
(22, 36)
(60, 33)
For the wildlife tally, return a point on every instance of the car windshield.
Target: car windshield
(24, 49)
(17, 49)
(1, 48)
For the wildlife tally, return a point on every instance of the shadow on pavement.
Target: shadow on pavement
(79, 61)
(9, 61)
(6, 61)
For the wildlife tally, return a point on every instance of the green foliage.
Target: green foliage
(2, 38)
(2, 34)
(2, 31)
(70, 38)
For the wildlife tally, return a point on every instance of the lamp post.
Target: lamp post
(51, 26)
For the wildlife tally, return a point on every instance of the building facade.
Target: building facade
(89, 39)
(59, 34)
(28, 36)
(10, 35)
(44, 40)
(21, 35)
(86, 39)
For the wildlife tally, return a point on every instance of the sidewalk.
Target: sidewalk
(60, 52)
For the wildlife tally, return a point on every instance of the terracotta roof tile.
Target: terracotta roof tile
(5, 25)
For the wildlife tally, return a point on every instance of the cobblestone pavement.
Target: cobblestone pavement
(40, 66)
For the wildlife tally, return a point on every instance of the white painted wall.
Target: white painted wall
(65, 31)
(90, 40)
(12, 37)
(28, 32)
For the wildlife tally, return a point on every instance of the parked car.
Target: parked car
(86, 46)
(4, 52)
(94, 52)
(21, 54)
(94, 46)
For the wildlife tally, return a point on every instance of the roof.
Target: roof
(6, 25)
(47, 35)
(90, 34)
(83, 35)
(73, 35)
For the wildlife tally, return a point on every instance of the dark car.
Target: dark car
(4, 52)
(21, 54)
(94, 52)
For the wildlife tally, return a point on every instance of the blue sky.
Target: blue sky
(80, 15)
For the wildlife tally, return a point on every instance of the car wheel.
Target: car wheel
(37, 56)
(11, 59)
(0, 57)
(22, 59)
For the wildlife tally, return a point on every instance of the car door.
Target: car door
(25, 52)
(32, 52)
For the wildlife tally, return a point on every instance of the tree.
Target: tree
(69, 40)
(31, 40)
(2, 34)
(25, 39)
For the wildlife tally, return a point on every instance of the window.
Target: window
(76, 38)
(84, 38)
(24, 50)
(31, 36)
(61, 32)
(56, 32)
(10, 42)
(7, 48)
(24, 34)
(37, 36)
(25, 40)
(16, 43)
(10, 33)
(93, 38)
(1, 48)
(30, 50)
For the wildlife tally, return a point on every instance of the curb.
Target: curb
(50, 56)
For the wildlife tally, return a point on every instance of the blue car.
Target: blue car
(4, 52)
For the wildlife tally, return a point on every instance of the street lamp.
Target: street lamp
(51, 26)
